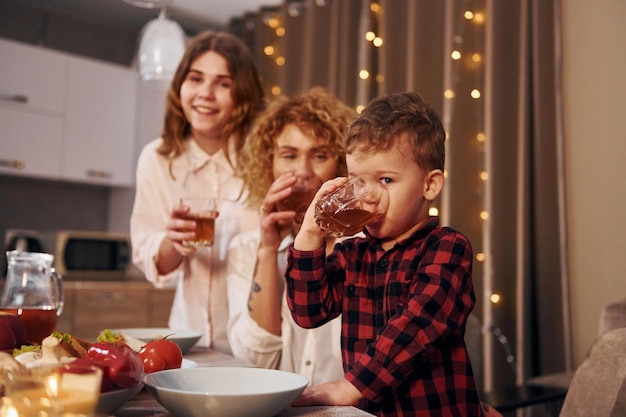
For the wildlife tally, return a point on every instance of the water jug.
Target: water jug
(33, 291)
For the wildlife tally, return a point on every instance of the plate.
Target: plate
(108, 402)
(225, 391)
(188, 363)
(186, 339)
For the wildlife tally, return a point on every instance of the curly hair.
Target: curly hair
(247, 92)
(316, 112)
(400, 116)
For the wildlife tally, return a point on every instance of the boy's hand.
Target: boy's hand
(311, 236)
(339, 392)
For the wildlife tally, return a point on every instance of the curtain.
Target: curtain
(492, 69)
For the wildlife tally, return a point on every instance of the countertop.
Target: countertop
(144, 405)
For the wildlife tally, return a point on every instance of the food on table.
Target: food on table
(122, 366)
(161, 354)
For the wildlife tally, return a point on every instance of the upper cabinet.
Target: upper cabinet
(100, 117)
(65, 117)
(32, 104)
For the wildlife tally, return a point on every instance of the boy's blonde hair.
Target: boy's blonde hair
(316, 112)
(402, 115)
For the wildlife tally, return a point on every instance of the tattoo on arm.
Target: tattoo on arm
(255, 288)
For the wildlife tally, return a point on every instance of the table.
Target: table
(144, 405)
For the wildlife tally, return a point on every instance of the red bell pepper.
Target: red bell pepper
(120, 364)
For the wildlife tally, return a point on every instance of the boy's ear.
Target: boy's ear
(433, 184)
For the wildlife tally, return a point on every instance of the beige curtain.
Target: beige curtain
(492, 69)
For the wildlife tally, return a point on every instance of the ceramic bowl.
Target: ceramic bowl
(108, 402)
(186, 339)
(225, 391)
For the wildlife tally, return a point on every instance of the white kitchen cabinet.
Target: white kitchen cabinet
(100, 123)
(32, 103)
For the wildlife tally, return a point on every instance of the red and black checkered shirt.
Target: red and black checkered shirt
(404, 313)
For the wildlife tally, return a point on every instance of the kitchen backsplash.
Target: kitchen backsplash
(27, 203)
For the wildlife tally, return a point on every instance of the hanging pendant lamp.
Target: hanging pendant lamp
(161, 44)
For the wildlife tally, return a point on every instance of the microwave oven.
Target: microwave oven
(79, 255)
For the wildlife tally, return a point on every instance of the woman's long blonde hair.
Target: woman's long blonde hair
(247, 93)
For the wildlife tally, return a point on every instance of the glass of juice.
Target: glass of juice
(302, 193)
(345, 211)
(202, 210)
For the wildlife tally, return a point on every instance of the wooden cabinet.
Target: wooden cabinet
(91, 307)
(100, 123)
(66, 117)
(32, 94)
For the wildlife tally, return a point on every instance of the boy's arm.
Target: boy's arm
(339, 392)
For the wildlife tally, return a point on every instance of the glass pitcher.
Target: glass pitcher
(33, 291)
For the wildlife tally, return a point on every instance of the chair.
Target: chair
(613, 316)
(598, 388)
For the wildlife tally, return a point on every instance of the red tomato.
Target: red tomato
(161, 354)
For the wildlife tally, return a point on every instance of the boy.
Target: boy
(405, 289)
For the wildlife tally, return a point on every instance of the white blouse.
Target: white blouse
(313, 353)
(200, 302)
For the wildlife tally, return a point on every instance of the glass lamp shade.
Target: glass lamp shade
(161, 46)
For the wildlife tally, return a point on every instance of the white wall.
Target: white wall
(595, 148)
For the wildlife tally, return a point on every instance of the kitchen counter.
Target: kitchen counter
(143, 404)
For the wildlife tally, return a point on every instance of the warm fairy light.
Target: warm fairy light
(484, 214)
(268, 50)
(445, 173)
(469, 15)
(280, 61)
(375, 7)
(280, 31)
(359, 109)
(476, 57)
(475, 93)
(479, 18)
(456, 55)
(449, 94)
(273, 22)
(364, 74)
(276, 90)
(483, 175)
(378, 42)
(494, 298)
(433, 211)
(481, 137)
(480, 257)
(380, 78)
(370, 36)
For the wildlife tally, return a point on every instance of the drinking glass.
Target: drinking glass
(202, 210)
(53, 391)
(345, 211)
(303, 192)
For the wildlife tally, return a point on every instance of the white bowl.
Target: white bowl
(225, 391)
(109, 402)
(186, 339)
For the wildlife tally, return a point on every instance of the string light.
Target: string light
(480, 257)
(433, 211)
(494, 298)
(268, 50)
(364, 74)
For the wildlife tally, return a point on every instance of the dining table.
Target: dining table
(143, 404)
